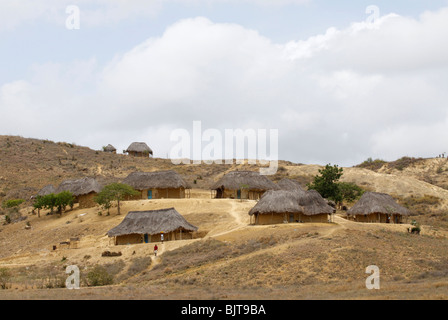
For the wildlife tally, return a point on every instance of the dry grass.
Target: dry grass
(229, 259)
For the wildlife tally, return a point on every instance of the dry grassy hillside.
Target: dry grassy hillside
(26, 165)
(229, 259)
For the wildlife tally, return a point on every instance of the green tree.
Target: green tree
(51, 201)
(326, 183)
(115, 192)
(350, 191)
(104, 199)
(39, 204)
(64, 199)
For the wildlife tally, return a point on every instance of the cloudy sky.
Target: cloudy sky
(340, 82)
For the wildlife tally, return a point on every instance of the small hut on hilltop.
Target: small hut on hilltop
(84, 190)
(377, 207)
(110, 148)
(157, 185)
(243, 185)
(139, 149)
(283, 206)
(148, 226)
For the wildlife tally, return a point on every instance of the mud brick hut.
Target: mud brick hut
(148, 226)
(110, 149)
(158, 185)
(84, 190)
(139, 149)
(375, 207)
(242, 185)
(283, 206)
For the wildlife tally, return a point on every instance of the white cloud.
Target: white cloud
(339, 97)
(101, 12)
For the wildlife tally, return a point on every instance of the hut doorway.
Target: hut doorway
(149, 194)
(238, 194)
(219, 193)
(291, 217)
(146, 238)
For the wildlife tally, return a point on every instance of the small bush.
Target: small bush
(5, 277)
(99, 276)
(371, 164)
(7, 204)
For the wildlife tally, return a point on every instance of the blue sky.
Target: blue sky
(314, 62)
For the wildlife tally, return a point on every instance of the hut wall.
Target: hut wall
(129, 239)
(139, 238)
(178, 193)
(278, 218)
(378, 218)
(87, 201)
(245, 194)
(139, 154)
(269, 218)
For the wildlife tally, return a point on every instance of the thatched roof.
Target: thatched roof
(79, 187)
(375, 202)
(151, 222)
(110, 148)
(139, 147)
(313, 203)
(156, 180)
(290, 185)
(284, 201)
(46, 190)
(235, 179)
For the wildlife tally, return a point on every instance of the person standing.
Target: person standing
(155, 250)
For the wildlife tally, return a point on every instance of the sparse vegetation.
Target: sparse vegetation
(5, 277)
(404, 163)
(371, 164)
(99, 276)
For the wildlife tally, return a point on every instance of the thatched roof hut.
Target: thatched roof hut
(283, 205)
(159, 184)
(110, 148)
(290, 185)
(138, 225)
(79, 187)
(283, 201)
(252, 183)
(279, 201)
(377, 205)
(83, 189)
(156, 180)
(139, 149)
